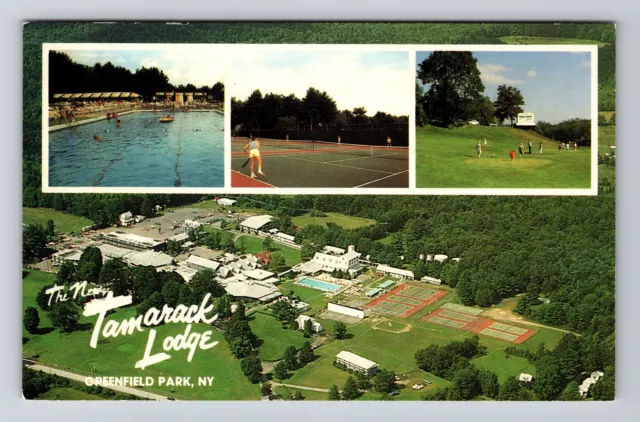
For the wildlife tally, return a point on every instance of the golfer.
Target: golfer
(388, 142)
(530, 145)
(512, 154)
(541, 147)
(521, 149)
(339, 140)
(479, 149)
(254, 154)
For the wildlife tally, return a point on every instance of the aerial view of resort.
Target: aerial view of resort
(166, 130)
(369, 296)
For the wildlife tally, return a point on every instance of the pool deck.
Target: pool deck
(97, 119)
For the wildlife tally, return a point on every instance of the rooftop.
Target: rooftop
(258, 274)
(179, 237)
(132, 238)
(203, 262)
(257, 222)
(392, 270)
(359, 361)
(252, 290)
(149, 258)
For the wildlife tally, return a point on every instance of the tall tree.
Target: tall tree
(350, 390)
(252, 368)
(290, 358)
(89, 265)
(334, 393)
(65, 316)
(384, 381)
(31, 319)
(508, 103)
(306, 354)
(281, 370)
(339, 330)
(34, 240)
(454, 83)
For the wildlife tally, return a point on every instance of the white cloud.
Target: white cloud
(494, 74)
(351, 79)
(531, 73)
(191, 64)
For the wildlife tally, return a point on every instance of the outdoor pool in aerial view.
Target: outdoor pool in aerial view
(188, 152)
(319, 285)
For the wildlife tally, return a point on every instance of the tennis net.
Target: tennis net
(278, 143)
(391, 152)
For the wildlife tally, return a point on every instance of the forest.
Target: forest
(317, 110)
(67, 76)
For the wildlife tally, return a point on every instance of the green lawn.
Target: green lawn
(118, 356)
(606, 137)
(446, 158)
(253, 245)
(58, 393)
(342, 220)
(275, 339)
(497, 362)
(224, 235)
(517, 39)
(65, 223)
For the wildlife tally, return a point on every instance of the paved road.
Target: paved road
(81, 378)
(302, 387)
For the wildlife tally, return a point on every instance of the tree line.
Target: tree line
(67, 76)
(317, 110)
(455, 93)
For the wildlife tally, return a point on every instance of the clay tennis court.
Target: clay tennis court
(308, 164)
(404, 301)
(466, 319)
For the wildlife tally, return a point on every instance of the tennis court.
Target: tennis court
(315, 164)
(465, 321)
(404, 301)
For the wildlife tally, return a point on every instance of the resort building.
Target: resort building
(583, 389)
(130, 241)
(72, 255)
(224, 202)
(191, 224)
(357, 363)
(181, 238)
(252, 290)
(262, 276)
(387, 284)
(346, 310)
(315, 325)
(440, 257)
(257, 223)
(525, 377)
(284, 238)
(197, 263)
(331, 259)
(126, 218)
(395, 272)
(148, 259)
(431, 280)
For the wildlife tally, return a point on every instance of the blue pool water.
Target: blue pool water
(189, 152)
(319, 285)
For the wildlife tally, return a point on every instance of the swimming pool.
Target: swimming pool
(319, 285)
(189, 152)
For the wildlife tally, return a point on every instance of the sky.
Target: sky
(556, 86)
(197, 66)
(377, 81)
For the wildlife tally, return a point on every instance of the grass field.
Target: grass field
(496, 361)
(446, 158)
(342, 220)
(275, 339)
(59, 393)
(65, 223)
(223, 233)
(117, 356)
(253, 245)
(517, 39)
